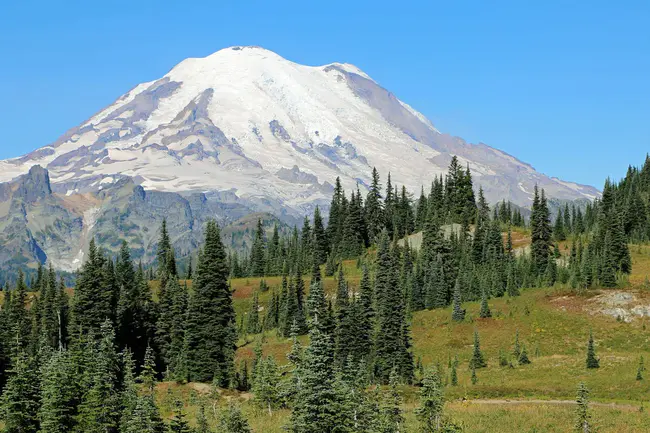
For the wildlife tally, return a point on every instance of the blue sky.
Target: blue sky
(563, 85)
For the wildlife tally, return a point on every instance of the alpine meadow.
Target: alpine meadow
(251, 244)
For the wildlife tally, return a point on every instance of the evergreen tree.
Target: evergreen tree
(640, 370)
(134, 308)
(458, 313)
(163, 254)
(91, 304)
(374, 211)
(477, 361)
(258, 252)
(231, 420)
(540, 233)
(320, 242)
(485, 308)
(430, 414)
(391, 339)
(321, 403)
(392, 418)
(454, 372)
(266, 384)
(20, 398)
(57, 409)
(179, 423)
(210, 334)
(583, 415)
(592, 361)
(99, 409)
(202, 425)
(523, 357)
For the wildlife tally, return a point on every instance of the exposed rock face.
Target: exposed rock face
(38, 225)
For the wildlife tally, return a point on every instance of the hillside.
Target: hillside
(553, 324)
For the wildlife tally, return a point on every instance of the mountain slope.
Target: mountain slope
(246, 121)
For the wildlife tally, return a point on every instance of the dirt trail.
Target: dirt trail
(558, 402)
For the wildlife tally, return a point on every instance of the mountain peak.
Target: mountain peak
(243, 120)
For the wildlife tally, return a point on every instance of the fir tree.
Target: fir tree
(99, 409)
(523, 357)
(91, 304)
(210, 333)
(57, 399)
(374, 211)
(20, 398)
(320, 403)
(179, 423)
(485, 308)
(477, 361)
(265, 384)
(391, 340)
(454, 372)
(583, 415)
(231, 420)
(430, 414)
(640, 370)
(458, 313)
(392, 418)
(258, 252)
(320, 242)
(592, 361)
(540, 233)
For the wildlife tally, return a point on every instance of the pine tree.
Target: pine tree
(540, 233)
(145, 418)
(210, 331)
(57, 397)
(454, 372)
(523, 357)
(266, 384)
(258, 251)
(99, 408)
(92, 303)
(474, 376)
(458, 313)
(320, 404)
(163, 254)
(134, 321)
(430, 414)
(485, 308)
(583, 415)
(477, 361)
(592, 361)
(179, 424)
(231, 420)
(202, 425)
(374, 212)
(20, 399)
(640, 370)
(391, 339)
(392, 418)
(320, 242)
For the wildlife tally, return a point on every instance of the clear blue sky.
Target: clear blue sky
(563, 85)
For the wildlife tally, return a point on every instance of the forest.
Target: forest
(344, 293)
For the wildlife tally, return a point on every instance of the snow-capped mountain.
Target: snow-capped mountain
(248, 125)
